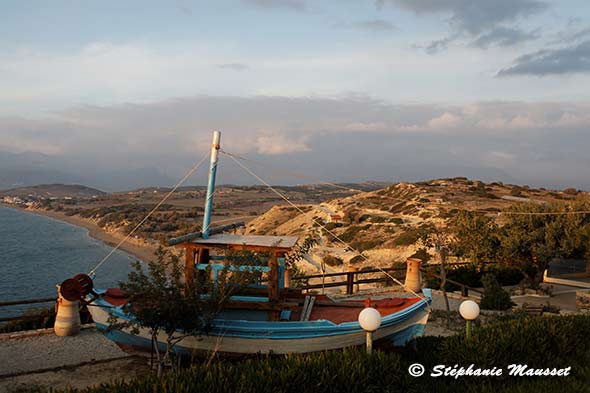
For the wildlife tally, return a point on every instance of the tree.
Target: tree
(538, 233)
(476, 237)
(439, 239)
(159, 301)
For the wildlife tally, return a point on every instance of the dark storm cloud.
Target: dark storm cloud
(567, 60)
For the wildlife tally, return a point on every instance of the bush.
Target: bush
(494, 296)
(331, 225)
(40, 318)
(407, 238)
(537, 342)
(423, 255)
(332, 260)
(471, 276)
(352, 231)
(364, 245)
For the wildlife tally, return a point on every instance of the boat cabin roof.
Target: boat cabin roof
(247, 241)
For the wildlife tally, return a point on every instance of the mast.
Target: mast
(211, 184)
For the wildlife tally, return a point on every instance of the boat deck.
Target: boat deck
(324, 309)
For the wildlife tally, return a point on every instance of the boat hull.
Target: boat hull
(229, 337)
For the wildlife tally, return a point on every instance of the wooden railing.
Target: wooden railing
(22, 302)
(351, 278)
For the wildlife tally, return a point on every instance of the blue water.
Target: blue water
(38, 252)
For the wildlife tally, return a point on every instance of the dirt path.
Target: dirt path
(37, 363)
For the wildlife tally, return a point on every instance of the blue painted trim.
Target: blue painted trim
(294, 329)
(219, 266)
(210, 187)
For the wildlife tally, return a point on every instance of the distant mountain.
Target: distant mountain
(53, 190)
(29, 168)
(25, 169)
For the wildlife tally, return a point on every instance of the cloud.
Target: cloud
(484, 23)
(293, 5)
(503, 36)
(566, 60)
(446, 120)
(234, 66)
(275, 144)
(317, 135)
(375, 25)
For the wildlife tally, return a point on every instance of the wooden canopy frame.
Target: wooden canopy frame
(197, 251)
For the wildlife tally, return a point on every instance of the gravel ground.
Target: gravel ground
(22, 355)
(76, 377)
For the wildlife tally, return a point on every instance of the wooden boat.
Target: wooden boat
(275, 319)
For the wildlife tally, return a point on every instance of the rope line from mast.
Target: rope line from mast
(166, 197)
(336, 185)
(316, 222)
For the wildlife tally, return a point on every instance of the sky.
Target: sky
(119, 95)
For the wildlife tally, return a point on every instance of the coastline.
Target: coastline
(140, 249)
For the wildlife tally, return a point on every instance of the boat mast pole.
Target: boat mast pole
(211, 184)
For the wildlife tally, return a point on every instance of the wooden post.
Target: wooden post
(273, 284)
(189, 268)
(202, 257)
(273, 278)
(350, 280)
(287, 279)
(464, 291)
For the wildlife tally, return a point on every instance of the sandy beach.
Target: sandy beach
(139, 248)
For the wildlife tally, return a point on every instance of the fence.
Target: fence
(23, 302)
(352, 278)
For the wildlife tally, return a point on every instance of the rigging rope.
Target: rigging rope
(314, 220)
(294, 174)
(168, 195)
(544, 213)
(336, 185)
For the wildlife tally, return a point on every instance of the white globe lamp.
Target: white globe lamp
(469, 310)
(370, 320)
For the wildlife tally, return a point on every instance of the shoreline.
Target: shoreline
(138, 248)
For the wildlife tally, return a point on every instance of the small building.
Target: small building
(334, 217)
(572, 272)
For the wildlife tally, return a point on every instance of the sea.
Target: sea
(38, 252)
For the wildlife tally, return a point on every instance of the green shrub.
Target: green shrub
(40, 318)
(423, 255)
(363, 245)
(407, 238)
(471, 276)
(332, 260)
(537, 342)
(331, 225)
(352, 231)
(494, 296)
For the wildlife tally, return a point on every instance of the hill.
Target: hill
(386, 223)
(52, 191)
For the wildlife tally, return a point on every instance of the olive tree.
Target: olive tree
(160, 302)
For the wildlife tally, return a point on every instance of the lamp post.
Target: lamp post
(469, 310)
(370, 320)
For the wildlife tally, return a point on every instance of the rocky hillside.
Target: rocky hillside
(386, 223)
